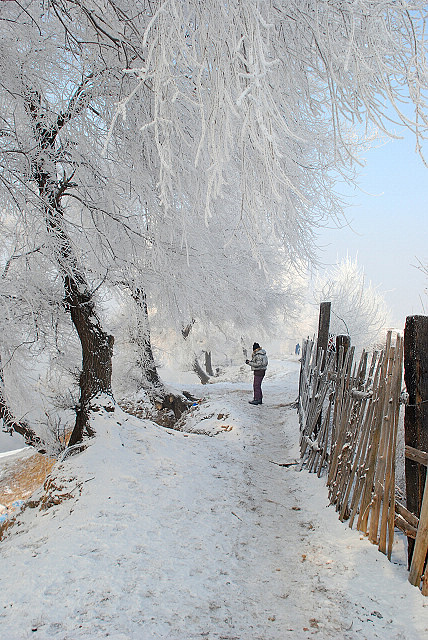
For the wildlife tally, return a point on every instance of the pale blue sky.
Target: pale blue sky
(388, 230)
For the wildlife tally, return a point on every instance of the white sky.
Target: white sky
(388, 227)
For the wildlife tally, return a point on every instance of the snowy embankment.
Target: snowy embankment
(158, 534)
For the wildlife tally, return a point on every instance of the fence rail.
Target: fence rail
(349, 416)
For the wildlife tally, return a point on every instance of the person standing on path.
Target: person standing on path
(258, 364)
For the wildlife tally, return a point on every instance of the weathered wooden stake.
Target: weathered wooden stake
(323, 329)
(421, 544)
(416, 413)
(342, 341)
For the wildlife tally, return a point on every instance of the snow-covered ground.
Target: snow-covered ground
(160, 534)
(10, 443)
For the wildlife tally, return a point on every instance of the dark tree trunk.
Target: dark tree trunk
(203, 377)
(97, 345)
(152, 383)
(146, 360)
(200, 372)
(208, 363)
(97, 352)
(187, 329)
(244, 350)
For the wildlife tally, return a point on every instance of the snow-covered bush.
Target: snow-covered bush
(358, 309)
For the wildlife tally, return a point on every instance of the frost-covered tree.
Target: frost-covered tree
(286, 92)
(358, 309)
(97, 216)
(210, 286)
(132, 131)
(261, 100)
(55, 101)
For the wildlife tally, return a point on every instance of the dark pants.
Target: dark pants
(257, 385)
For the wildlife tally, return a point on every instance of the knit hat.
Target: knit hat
(256, 346)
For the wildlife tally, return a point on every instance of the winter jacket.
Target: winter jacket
(259, 360)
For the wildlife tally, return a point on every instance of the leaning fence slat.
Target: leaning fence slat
(340, 451)
(405, 527)
(416, 455)
(318, 450)
(378, 529)
(361, 467)
(367, 429)
(349, 453)
(370, 499)
(322, 453)
(393, 453)
(407, 515)
(361, 446)
(421, 543)
(367, 477)
(325, 454)
(384, 424)
(339, 418)
(355, 439)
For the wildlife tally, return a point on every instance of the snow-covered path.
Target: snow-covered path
(179, 536)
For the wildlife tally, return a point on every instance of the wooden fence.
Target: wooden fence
(349, 415)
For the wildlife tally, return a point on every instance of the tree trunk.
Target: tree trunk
(146, 360)
(244, 350)
(152, 383)
(187, 329)
(203, 377)
(97, 345)
(200, 372)
(97, 352)
(208, 363)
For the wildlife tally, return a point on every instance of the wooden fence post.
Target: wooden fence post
(323, 329)
(342, 341)
(416, 413)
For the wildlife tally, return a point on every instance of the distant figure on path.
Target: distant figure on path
(297, 349)
(258, 364)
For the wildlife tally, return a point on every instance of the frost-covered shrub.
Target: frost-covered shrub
(358, 309)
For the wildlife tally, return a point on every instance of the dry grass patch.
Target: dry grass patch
(23, 476)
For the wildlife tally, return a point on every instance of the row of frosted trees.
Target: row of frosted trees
(172, 160)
